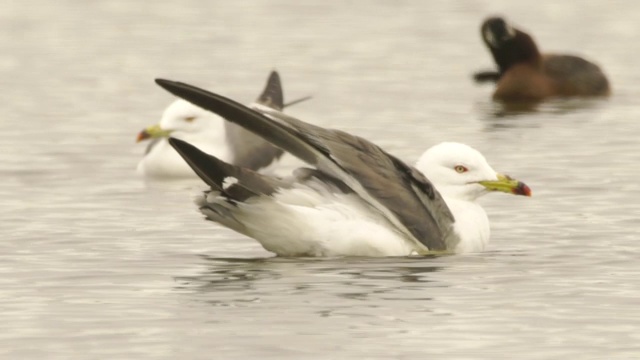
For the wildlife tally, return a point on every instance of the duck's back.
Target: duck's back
(575, 76)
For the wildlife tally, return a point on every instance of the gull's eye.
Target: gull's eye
(460, 169)
(189, 119)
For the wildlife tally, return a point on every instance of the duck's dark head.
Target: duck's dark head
(496, 32)
(507, 44)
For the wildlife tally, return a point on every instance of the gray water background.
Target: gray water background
(96, 263)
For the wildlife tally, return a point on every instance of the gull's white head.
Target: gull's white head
(184, 120)
(461, 172)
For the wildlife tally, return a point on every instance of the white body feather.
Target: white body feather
(312, 219)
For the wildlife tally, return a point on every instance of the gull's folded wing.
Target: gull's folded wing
(251, 151)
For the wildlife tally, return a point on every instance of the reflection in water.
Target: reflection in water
(229, 274)
(360, 276)
(505, 115)
(504, 109)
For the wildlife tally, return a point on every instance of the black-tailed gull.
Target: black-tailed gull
(358, 200)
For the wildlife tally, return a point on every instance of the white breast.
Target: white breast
(471, 225)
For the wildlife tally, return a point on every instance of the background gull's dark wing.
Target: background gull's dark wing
(401, 193)
(272, 95)
(249, 150)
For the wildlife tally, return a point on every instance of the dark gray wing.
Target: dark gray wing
(251, 151)
(577, 75)
(405, 197)
(391, 184)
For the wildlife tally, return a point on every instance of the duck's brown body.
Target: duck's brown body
(526, 74)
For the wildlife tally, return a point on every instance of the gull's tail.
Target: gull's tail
(229, 184)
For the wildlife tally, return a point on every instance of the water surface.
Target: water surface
(96, 263)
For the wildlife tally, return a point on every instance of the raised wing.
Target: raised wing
(405, 197)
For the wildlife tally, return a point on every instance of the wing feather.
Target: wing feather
(399, 192)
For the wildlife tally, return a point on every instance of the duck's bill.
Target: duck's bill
(508, 185)
(152, 132)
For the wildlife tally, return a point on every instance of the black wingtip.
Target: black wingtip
(187, 151)
(164, 83)
(179, 145)
(200, 162)
(173, 87)
(180, 89)
(273, 75)
(215, 103)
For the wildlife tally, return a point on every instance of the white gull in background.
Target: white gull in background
(211, 134)
(357, 200)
